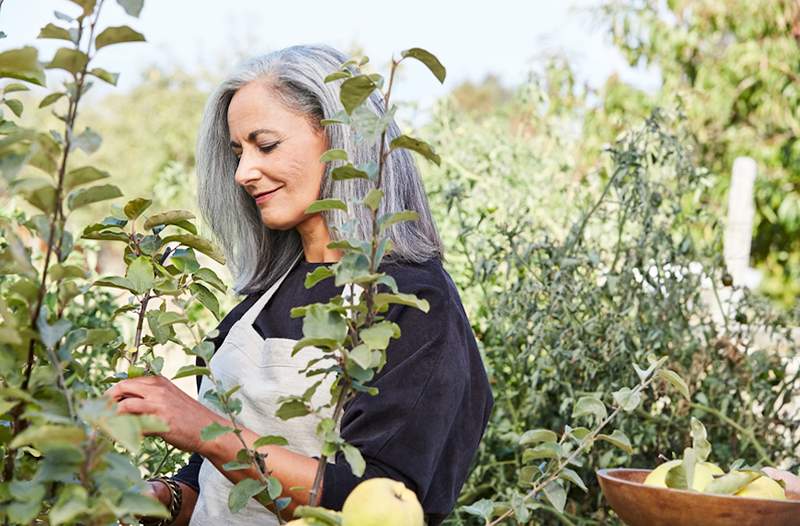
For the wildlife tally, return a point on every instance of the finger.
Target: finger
(136, 406)
(128, 388)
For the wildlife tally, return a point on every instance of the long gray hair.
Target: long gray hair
(257, 255)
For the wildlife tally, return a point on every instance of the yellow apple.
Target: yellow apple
(763, 488)
(382, 502)
(703, 474)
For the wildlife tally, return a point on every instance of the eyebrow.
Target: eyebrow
(252, 136)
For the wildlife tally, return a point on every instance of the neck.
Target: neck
(315, 237)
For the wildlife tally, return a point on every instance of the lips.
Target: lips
(256, 196)
(263, 196)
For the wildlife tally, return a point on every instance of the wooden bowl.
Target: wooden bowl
(640, 505)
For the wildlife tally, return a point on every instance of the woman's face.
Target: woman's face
(278, 153)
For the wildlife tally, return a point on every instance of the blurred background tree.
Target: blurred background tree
(735, 67)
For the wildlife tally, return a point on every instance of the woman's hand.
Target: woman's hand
(157, 396)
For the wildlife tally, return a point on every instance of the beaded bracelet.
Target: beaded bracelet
(175, 502)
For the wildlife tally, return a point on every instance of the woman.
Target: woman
(258, 169)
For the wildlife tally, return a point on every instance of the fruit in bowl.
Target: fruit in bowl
(692, 491)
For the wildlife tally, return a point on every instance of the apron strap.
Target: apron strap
(252, 313)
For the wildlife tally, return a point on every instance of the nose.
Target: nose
(248, 171)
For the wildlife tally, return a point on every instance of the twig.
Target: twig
(587, 440)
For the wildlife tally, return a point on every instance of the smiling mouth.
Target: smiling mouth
(263, 194)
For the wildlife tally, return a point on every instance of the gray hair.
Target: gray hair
(257, 255)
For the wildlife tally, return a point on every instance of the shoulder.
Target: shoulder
(427, 280)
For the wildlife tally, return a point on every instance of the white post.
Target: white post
(739, 230)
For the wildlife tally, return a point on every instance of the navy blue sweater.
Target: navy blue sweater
(424, 426)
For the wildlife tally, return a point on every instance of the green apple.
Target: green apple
(382, 502)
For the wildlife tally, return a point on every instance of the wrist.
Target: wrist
(160, 491)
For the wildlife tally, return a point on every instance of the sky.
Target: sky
(471, 38)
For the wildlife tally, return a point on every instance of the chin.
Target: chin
(278, 223)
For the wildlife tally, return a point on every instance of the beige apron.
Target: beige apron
(266, 370)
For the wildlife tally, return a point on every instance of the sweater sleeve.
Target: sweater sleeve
(424, 426)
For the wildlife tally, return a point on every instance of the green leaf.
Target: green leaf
(235, 465)
(105, 75)
(61, 271)
(589, 405)
(483, 508)
(191, 370)
(534, 436)
(99, 336)
(416, 145)
(51, 98)
(429, 59)
(210, 277)
(373, 199)
(126, 430)
(324, 323)
(354, 91)
(387, 220)
(544, 450)
(572, 476)
(323, 205)
(132, 7)
(206, 298)
(69, 59)
(242, 492)
(319, 274)
(214, 430)
(348, 171)
(134, 208)
(270, 440)
(627, 399)
(140, 274)
(700, 443)
(88, 141)
(619, 439)
(198, 243)
(14, 87)
(354, 458)
(116, 282)
(675, 381)
(292, 409)
(682, 475)
(45, 436)
(556, 495)
(94, 194)
(171, 217)
(274, 488)
(378, 336)
(53, 31)
(336, 75)
(361, 355)
(732, 482)
(83, 175)
(410, 300)
(87, 5)
(51, 334)
(15, 106)
(335, 154)
(117, 35)
(22, 64)
(72, 502)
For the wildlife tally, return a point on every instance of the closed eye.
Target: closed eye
(268, 147)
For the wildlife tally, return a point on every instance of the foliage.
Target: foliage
(735, 66)
(64, 447)
(562, 313)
